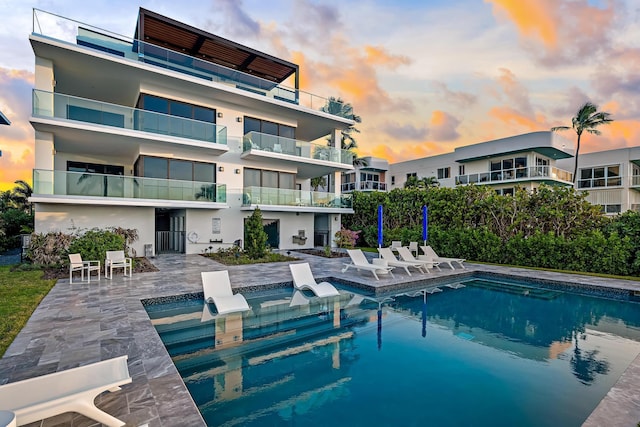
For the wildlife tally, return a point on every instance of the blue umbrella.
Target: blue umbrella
(379, 226)
(425, 224)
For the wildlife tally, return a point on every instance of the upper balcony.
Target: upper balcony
(210, 57)
(312, 160)
(282, 199)
(100, 189)
(515, 175)
(364, 186)
(59, 106)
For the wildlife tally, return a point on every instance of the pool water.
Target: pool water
(487, 354)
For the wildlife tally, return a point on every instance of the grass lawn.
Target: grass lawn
(20, 293)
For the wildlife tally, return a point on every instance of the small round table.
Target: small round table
(7, 419)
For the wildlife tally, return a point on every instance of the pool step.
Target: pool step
(528, 291)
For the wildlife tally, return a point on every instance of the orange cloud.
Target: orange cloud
(378, 56)
(508, 115)
(532, 17)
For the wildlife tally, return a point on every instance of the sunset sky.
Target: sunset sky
(425, 76)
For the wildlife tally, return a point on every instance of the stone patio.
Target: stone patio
(84, 323)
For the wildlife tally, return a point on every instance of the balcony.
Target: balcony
(635, 182)
(364, 186)
(62, 29)
(125, 190)
(49, 104)
(312, 160)
(275, 199)
(532, 173)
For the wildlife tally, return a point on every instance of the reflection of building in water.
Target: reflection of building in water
(287, 349)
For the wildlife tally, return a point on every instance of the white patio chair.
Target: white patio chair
(303, 279)
(359, 262)
(116, 259)
(428, 263)
(217, 290)
(428, 251)
(391, 259)
(413, 247)
(77, 264)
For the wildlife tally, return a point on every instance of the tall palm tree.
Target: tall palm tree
(587, 120)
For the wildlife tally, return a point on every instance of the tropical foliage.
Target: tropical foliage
(16, 215)
(587, 119)
(255, 237)
(553, 227)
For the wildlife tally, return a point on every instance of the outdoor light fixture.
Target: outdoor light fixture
(239, 119)
(237, 171)
(220, 114)
(220, 168)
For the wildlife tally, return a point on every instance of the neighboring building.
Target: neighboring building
(369, 175)
(179, 134)
(611, 177)
(519, 161)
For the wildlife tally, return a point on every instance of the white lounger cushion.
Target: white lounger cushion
(73, 390)
(303, 279)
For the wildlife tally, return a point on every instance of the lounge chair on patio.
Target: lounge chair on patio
(116, 259)
(427, 263)
(303, 279)
(359, 262)
(391, 259)
(413, 248)
(428, 251)
(217, 290)
(77, 264)
(72, 390)
(395, 244)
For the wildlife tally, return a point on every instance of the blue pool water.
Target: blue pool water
(488, 354)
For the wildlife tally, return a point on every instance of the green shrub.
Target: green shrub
(255, 238)
(94, 244)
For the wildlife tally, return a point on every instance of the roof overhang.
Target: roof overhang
(162, 31)
(4, 120)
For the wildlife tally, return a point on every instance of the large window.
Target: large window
(510, 168)
(601, 176)
(185, 170)
(92, 179)
(268, 178)
(176, 108)
(271, 128)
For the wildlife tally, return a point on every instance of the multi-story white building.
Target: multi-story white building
(611, 177)
(523, 160)
(179, 134)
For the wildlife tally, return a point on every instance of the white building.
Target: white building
(368, 175)
(179, 134)
(523, 160)
(611, 177)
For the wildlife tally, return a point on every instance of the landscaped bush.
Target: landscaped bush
(255, 238)
(94, 244)
(553, 227)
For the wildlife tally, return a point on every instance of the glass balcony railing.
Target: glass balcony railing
(49, 104)
(516, 174)
(364, 186)
(635, 180)
(47, 182)
(286, 197)
(293, 147)
(78, 33)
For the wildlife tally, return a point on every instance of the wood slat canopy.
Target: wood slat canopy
(170, 34)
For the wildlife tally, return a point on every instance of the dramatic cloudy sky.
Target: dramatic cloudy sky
(425, 76)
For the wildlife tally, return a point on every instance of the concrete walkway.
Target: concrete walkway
(84, 323)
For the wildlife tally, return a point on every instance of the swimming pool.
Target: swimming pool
(486, 354)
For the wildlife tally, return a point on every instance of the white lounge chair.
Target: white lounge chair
(391, 259)
(395, 244)
(303, 279)
(72, 390)
(428, 251)
(406, 255)
(413, 247)
(359, 262)
(77, 264)
(217, 290)
(116, 259)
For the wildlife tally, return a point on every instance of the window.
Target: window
(268, 178)
(505, 191)
(176, 108)
(252, 124)
(461, 170)
(184, 170)
(393, 180)
(601, 176)
(409, 175)
(444, 173)
(611, 209)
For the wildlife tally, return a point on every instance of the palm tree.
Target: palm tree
(587, 119)
(337, 107)
(20, 195)
(421, 183)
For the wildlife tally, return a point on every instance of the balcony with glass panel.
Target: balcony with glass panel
(295, 200)
(48, 26)
(59, 106)
(312, 160)
(363, 186)
(514, 175)
(599, 177)
(139, 190)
